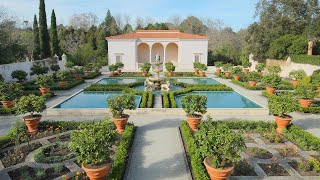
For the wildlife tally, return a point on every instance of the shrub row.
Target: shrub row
(121, 156)
(131, 74)
(195, 159)
(182, 74)
(165, 100)
(70, 84)
(144, 100)
(92, 75)
(284, 86)
(112, 87)
(204, 87)
(150, 100)
(173, 103)
(305, 59)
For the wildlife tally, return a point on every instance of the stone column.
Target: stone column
(310, 46)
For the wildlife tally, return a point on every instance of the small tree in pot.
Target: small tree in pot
(253, 78)
(78, 73)
(246, 64)
(202, 68)
(63, 75)
(315, 79)
(220, 147)
(280, 106)
(236, 72)
(274, 69)
(260, 67)
(87, 69)
(113, 68)
(271, 82)
(226, 69)
(20, 75)
(120, 66)
(194, 105)
(306, 91)
(195, 67)
(145, 68)
(31, 104)
(170, 68)
(296, 76)
(44, 81)
(92, 144)
(9, 92)
(218, 65)
(117, 105)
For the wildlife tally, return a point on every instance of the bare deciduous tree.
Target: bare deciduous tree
(83, 21)
(175, 20)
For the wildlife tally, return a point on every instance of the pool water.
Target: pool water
(92, 99)
(120, 80)
(172, 88)
(195, 80)
(222, 99)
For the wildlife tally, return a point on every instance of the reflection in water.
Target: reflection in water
(120, 80)
(222, 99)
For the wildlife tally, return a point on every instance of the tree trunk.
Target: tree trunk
(310, 47)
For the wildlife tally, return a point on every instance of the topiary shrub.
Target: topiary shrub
(194, 104)
(260, 67)
(218, 64)
(202, 67)
(297, 74)
(226, 67)
(20, 75)
(113, 68)
(246, 63)
(305, 89)
(30, 104)
(272, 80)
(38, 69)
(44, 81)
(55, 67)
(63, 75)
(254, 76)
(237, 71)
(282, 104)
(170, 67)
(145, 67)
(274, 69)
(10, 91)
(121, 102)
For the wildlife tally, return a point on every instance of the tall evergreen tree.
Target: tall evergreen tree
(36, 41)
(54, 35)
(43, 29)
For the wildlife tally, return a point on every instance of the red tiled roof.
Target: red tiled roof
(158, 34)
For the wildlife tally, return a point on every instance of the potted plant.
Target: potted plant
(9, 92)
(113, 68)
(120, 66)
(96, 66)
(194, 105)
(31, 104)
(306, 91)
(246, 64)
(274, 69)
(202, 68)
(236, 72)
(220, 147)
(117, 105)
(170, 68)
(296, 76)
(260, 67)
(87, 69)
(78, 73)
(20, 75)
(63, 75)
(44, 81)
(195, 67)
(271, 82)
(226, 69)
(253, 78)
(218, 65)
(92, 144)
(145, 68)
(280, 106)
(315, 79)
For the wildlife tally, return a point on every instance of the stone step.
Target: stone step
(157, 101)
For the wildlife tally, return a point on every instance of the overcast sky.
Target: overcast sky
(234, 13)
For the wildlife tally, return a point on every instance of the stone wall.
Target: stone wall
(286, 65)
(7, 69)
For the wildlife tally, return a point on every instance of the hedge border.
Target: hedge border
(70, 84)
(92, 75)
(284, 86)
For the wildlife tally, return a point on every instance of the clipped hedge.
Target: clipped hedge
(284, 86)
(92, 75)
(122, 154)
(165, 100)
(305, 59)
(112, 87)
(182, 74)
(131, 74)
(173, 103)
(150, 100)
(204, 87)
(70, 84)
(144, 100)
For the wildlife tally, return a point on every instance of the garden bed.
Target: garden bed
(70, 84)
(284, 86)
(274, 169)
(26, 172)
(92, 75)
(182, 74)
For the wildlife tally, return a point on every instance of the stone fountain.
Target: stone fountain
(155, 82)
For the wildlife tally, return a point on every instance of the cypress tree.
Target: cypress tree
(54, 35)
(36, 41)
(43, 29)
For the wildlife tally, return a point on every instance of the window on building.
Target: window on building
(118, 58)
(197, 58)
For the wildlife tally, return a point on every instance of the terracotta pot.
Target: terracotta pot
(97, 173)
(246, 71)
(294, 82)
(218, 71)
(252, 83)
(121, 122)
(119, 71)
(32, 123)
(62, 83)
(145, 73)
(170, 74)
(305, 102)
(196, 71)
(227, 74)
(194, 122)
(270, 90)
(113, 74)
(7, 104)
(236, 77)
(282, 122)
(44, 90)
(202, 74)
(319, 91)
(87, 74)
(217, 174)
(78, 77)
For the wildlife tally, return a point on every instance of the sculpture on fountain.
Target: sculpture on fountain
(155, 82)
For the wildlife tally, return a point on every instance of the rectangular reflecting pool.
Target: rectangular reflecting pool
(92, 99)
(195, 80)
(120, 80)
(222, 99)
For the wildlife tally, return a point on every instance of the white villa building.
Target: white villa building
(133, 49)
